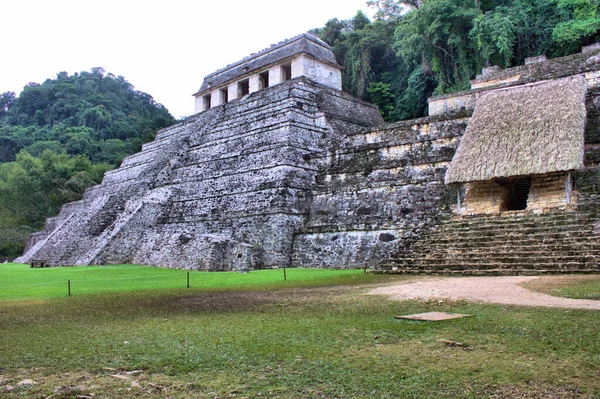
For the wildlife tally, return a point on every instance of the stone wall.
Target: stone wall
(296, 174)
(483, 197)
(549, 192)
(226, 188)
(586, 63)
(377, 192)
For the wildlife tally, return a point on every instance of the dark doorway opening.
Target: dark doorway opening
(515, 192)
(519, 193)
(243, 88)
(286, 72)
(263, 80)
(224, 96)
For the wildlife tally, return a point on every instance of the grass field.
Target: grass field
(255, 336)
(19, 281)
(571, 286)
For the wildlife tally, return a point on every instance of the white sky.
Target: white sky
(164, 48)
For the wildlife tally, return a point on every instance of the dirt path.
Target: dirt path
(502, 290)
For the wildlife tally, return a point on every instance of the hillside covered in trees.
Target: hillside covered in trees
(59, 137)
(418, 48)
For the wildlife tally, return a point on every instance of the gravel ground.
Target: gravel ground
(502, 289)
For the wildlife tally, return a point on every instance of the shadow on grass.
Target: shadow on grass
(164, 303)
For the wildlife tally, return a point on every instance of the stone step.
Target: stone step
(511, 217)
(514, 239)
(474, 270)
(504, 260)
(512, 243)
(523, 251)
(513, 235)
(522, 255)
(499, 265)
(525, 226)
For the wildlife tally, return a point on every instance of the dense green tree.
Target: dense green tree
(416, 48)
(13, 139)
(413, 102)
(372, 71)
(95, 105)
(508, 34)
(7, 99)
(58, 138)
(34, 188)
(381, 94)
(582, 26)
(437, 36)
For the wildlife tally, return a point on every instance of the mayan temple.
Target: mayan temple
(280, 168)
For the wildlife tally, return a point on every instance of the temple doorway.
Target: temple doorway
(518, 193)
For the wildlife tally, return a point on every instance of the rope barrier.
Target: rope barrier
(92, 280)
(30, 285)
(126, 278)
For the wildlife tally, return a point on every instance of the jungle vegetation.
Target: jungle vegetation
(59, 137)
(418, 48)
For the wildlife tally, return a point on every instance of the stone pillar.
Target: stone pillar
(254, 86)
(198, 104)
(201, 102)
(215, 98)
(298, 66)
(232, 91)
(274, 75)
(223, 95)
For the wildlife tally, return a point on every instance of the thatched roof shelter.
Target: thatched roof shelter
(526, 130)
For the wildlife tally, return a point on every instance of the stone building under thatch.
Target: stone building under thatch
(520, 147)
(280, 168)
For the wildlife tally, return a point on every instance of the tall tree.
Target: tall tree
(582, 26)
(7, 100)
(108, 107)
(59, 137)
(436, 35)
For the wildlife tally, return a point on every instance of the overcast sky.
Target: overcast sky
(163, 48)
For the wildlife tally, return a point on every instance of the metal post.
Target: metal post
(568, 188)
(188, 279)
(284, 275)
(69, 287)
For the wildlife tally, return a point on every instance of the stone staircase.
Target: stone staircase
(508, 243)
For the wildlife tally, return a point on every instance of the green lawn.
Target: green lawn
(18, 281)
(308, 337)
(569, 286)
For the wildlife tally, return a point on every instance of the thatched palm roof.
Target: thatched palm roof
(525, 130)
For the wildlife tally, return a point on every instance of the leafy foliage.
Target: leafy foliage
(58, 138)
(416, 48)
(33, 188)
(81, 114)
(583, 26)
(437, 34)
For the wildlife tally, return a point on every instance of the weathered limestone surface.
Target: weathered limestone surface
(227, 188)
(376, 191)
(303, 55)
(300, 174)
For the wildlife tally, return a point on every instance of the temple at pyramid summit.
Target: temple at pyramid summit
(280, 168)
